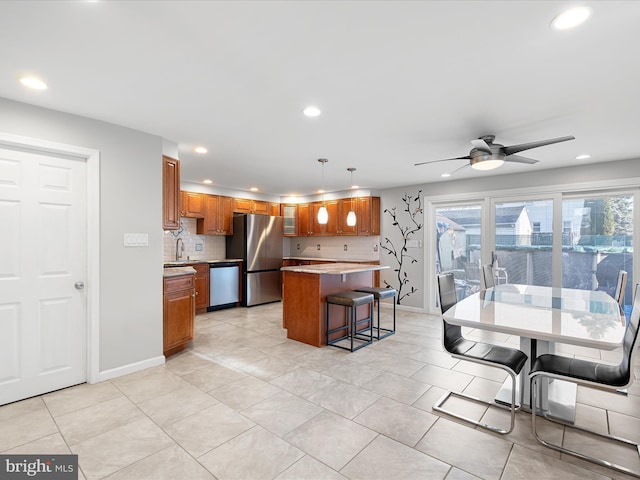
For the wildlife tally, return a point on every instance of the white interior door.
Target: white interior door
(43, 308)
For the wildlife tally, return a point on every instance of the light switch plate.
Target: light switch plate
(136, 239)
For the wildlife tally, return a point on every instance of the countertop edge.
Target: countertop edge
(334, 268)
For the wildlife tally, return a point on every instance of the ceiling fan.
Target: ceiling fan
(486, 155)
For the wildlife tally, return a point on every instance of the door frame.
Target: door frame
(92, 160)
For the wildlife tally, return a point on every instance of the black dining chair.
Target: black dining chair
(511, 360)
(621, 284)
(590, 374)
(488, 276)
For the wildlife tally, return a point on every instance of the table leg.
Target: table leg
(558, 398)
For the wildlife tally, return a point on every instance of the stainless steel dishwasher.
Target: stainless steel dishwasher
(224, 278)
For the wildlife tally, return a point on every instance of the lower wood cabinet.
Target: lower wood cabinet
(202, 286)
(178, 313)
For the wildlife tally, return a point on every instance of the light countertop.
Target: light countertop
(178, 263)
(334, 268)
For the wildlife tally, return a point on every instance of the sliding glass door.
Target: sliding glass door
(524, 242)
(597, 242)
(458, 245)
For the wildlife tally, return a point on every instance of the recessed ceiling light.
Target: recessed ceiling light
(445, 175)
(583, 157)
(207, 181)
(321, 191)
(33, 82)
(200, 150)
(571, 18)
(353, 187)
(254, 189)
(312, 111)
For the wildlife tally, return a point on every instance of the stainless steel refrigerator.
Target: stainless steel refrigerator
(257, 239)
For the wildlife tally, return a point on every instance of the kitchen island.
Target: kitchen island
(305, 290)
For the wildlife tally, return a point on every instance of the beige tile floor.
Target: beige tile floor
(247, 403)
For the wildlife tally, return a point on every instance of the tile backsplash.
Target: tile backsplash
(360, 248)
(213, 246)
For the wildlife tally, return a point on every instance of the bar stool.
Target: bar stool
(380, 293)
(351, 300)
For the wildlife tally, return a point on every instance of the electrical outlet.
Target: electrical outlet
(318, 247)
(345, 248)
(198, 247)
(375, 247)
(297, 246)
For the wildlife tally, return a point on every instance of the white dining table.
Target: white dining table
(542, 317)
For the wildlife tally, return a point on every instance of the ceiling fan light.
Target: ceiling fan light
(571, 18)
(323, 215)
(487, 164)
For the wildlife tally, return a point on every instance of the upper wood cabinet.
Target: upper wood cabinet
(261, 207)
(305, 225)
(301, 219)
(274, 209)
(170, 193)
(192, 204)
(289, 213)
(368, 216)
(343, 210)
(218, 216)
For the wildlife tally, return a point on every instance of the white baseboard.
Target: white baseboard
(405, 308)
(130, 368)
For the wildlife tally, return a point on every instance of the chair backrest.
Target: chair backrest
(487, 276)
(620, 286)
(630, 340)
(448, 298)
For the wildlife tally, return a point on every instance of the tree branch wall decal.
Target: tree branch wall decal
(399, 252)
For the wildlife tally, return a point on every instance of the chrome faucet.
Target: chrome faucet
(178, 250)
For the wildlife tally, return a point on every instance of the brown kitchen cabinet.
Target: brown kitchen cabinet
(202, 286)
(218, 216)
(245, 205)
(178, 312)
(368, 215)
(260, 207)
(341, 228)
(274, 209)
(289, 213)
(192, 204)
(305, 225)
(170, 193)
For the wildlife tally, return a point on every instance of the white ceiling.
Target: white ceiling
(398, 82)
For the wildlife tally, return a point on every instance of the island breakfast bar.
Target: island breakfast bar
(305, 290)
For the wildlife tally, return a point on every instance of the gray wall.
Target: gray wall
(573, 177)
(130, 202)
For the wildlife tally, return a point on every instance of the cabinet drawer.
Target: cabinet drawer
(179, 282)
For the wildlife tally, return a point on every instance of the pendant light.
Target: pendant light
(323, 215)
(351, 216)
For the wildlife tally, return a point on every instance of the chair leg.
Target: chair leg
(535, 393)
(513, 407)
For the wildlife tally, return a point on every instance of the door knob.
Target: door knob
(79, 285)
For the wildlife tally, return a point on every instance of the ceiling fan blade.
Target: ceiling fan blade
(541, 143)
(466, 165)
(481, 145)
(443, 160)
(519, 159)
